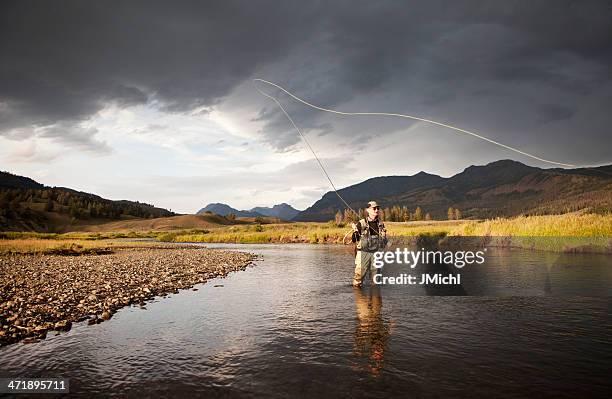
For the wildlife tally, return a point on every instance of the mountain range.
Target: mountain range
(282, 211)
(499, 189)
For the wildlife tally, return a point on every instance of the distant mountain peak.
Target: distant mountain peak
(224, 210)
(424, 174)
(505, 162)
(282, 211)
(501, 164)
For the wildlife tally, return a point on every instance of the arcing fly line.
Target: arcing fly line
(416, 118)
(309, 146)
(394, 115)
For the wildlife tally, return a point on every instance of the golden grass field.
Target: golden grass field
(171, 223)
(61, 246)
(582, 231)
(567, 225)
(302, 232)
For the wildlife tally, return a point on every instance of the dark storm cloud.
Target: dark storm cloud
(487, 64)
(554, 112)
(504, 68)
(63, 62)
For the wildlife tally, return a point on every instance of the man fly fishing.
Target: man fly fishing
(370, 236)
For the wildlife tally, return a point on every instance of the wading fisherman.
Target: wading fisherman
(370, 236)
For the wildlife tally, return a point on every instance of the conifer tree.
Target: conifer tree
(338, 217)
(418, 213)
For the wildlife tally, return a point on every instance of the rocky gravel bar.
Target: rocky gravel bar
(40, 293)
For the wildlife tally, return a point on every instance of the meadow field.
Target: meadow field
(568, 232)
(568, 225)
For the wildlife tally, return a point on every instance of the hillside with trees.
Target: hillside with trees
(29, 205)
(500, 189)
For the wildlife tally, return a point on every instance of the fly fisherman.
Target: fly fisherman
(370, 236)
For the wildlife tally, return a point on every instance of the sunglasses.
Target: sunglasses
(376, 208)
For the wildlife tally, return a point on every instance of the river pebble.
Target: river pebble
(39, 293)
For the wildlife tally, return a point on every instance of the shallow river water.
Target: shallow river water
(524, 324)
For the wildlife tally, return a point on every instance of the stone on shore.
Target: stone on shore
(39, 293)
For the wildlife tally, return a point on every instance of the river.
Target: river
(524, 324)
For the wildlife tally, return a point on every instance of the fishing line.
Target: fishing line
(309, 146)
(410, 117)
(393, 115)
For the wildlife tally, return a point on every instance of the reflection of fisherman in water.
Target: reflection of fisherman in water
(372, 332)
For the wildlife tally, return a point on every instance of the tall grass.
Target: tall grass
(570, 232)
(14, 235)
(568, 225)
(45, 246)
(67, 246)
(307, 232)
(574, 231)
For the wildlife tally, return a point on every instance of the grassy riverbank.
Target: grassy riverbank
(569, 232)
(561, 233)
(67, 246)
(303, 232)
(568, 225)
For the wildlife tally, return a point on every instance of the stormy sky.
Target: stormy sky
(154, 101)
